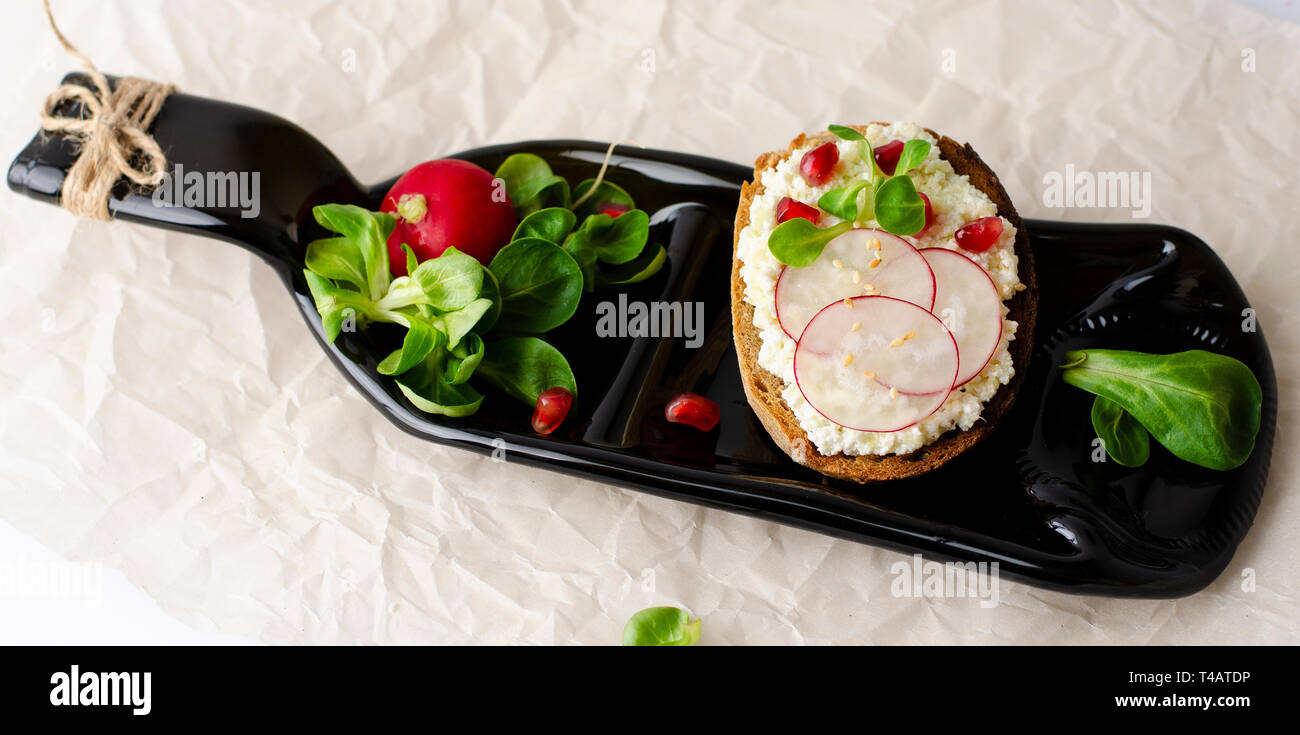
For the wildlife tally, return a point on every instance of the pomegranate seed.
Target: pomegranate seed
(693, 410)
(818, 164)
(887, 156)
(929, 214)
(788, 208)
(980, 234)
(613, 209)
(552, 406)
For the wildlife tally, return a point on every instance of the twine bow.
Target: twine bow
(111, 130)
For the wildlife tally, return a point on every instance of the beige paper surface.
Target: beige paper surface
(163, 410)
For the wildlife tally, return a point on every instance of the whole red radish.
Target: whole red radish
(447, 203)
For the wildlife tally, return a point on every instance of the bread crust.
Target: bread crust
(763, 389)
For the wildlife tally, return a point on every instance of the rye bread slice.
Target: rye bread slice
(763, 389)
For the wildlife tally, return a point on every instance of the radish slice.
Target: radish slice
(852, 351)
(967, 302)
(900, 272)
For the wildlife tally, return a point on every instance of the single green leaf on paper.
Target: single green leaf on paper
(798, 242)
(1126, 441)
(661, 626)
(1202, 406)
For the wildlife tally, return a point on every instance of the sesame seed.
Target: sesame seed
(897, 341)
(1020, 287)
(848, 359)
(875, 263)
(874, 243)
(848, 302)
(870, 375)
(857, 276)
(893, 393)
(908, 336)
(868, 289)
(856, 326)
(837, 263)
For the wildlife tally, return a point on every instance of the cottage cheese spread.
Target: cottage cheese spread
(956, 201)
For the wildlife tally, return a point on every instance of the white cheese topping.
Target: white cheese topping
(956, 201)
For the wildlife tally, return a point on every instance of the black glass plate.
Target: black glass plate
(1029, 497)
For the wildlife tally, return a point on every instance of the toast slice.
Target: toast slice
(763, 389)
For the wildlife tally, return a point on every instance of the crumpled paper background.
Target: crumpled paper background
(163, 411)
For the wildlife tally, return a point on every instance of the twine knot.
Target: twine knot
(111, 130)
